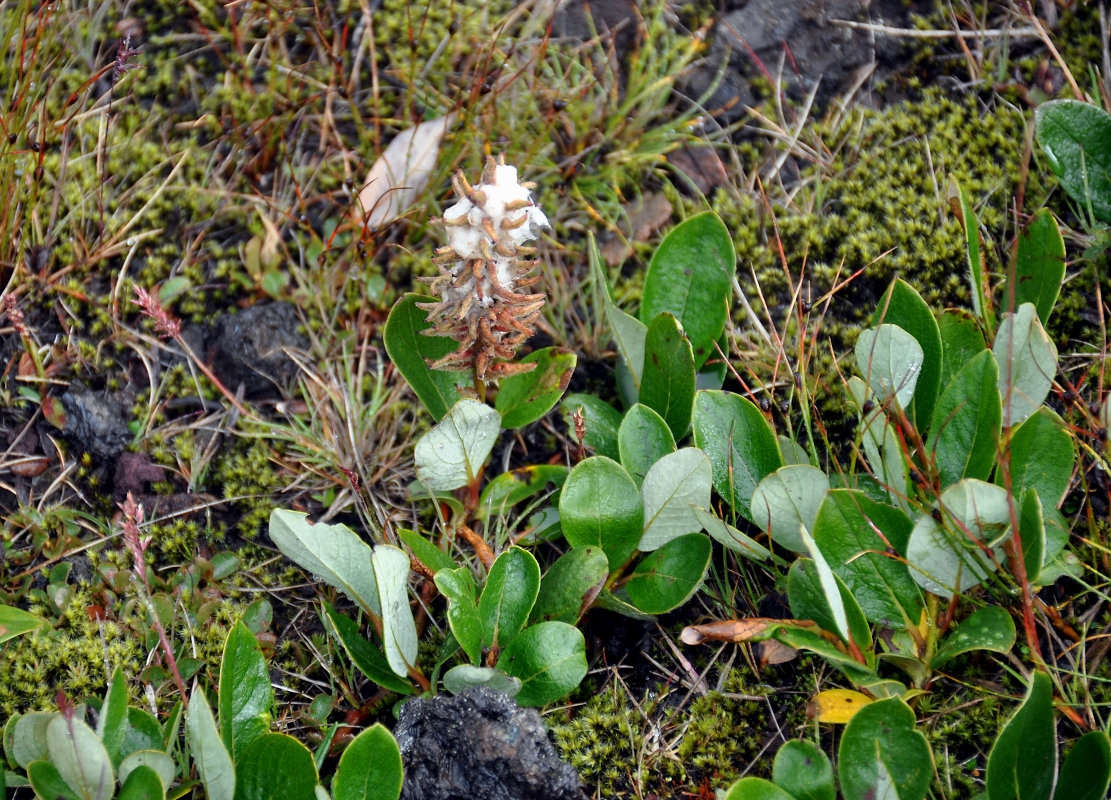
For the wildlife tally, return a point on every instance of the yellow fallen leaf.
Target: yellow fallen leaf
(836, 706)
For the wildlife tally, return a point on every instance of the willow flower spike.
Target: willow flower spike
(484, 272)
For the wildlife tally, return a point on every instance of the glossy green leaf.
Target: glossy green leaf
(399, 630)
(786, 499)
(944, 560)
(370, 767)
(668, 577)
(331, 553)
(526, 397)
(410, 350)
(454, 451)
(853, 533)
(904, 307)
(961, 339)
(690, 276)
(1023, 761)
(426, 552)
(80, 757)
(467, 676)
(600, 420)
(890, 360)
(882, 755)
(1076, 140)
(550, 660)
(628, 332)
(816, 593)
(156, 760)
(740, 443)
(363, 654)
(515, 486)
(275, 767)
(882, 447)
(803, 770)
(570, 585)
(458, 587)
(27, 740)
(642, 440)
(756, 789)
(731, 538)
(143, 783)
(207, 750)
(1027, 361)
(1039, 264)
(508, 596)
(14, 622)
(1042, 455)
(965, 429)
(989, 628)
(978, 275)
(1086, 773)
(111, 725)
(672, 486)
(667, 386)
(600, 506)
(1031, 526)
(245, 695)
(47, 781)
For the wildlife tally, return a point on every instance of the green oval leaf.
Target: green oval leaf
(1042, 455)
(853, 532)
(802, 769)
(890, 359)
(465, 676)
(454, 451)
(209, 754)
(1076, 140)
(458, 587)
(28, 737)
(788, 498)
(410, 350)
(570, 585)
(526, 397)
(370, 767)
(600, 506)
(690, 276)
(740, 443)
(513, 487)
(143, 783)
(1086, 773)
(1023, 761)
(363, 654)
(1027, 364)
(642, 440)
(961, 339)
(674, 484)
(756, 789)
(816, 593)
(668, 577)
(903, 306)
(601, 422)
(965, 429)
(155, 760)
(882, 755)
(80, 757)
(667, 385)
(399, 630)
(331, 553)
(989, 628)
(275, 767)
(1039, 264)
(550, 660)
(628, 331)
(245, 695)
(731, 538)
(508, 596)
(427, 553)
(14, 622)
(48, 782)
(112, 725)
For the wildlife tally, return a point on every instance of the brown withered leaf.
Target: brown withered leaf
(771, 652)
(752, 629)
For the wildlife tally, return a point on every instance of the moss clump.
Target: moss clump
(76, 656)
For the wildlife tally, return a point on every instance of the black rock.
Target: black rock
(246, 348)
(479, 745)
(96, 423)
